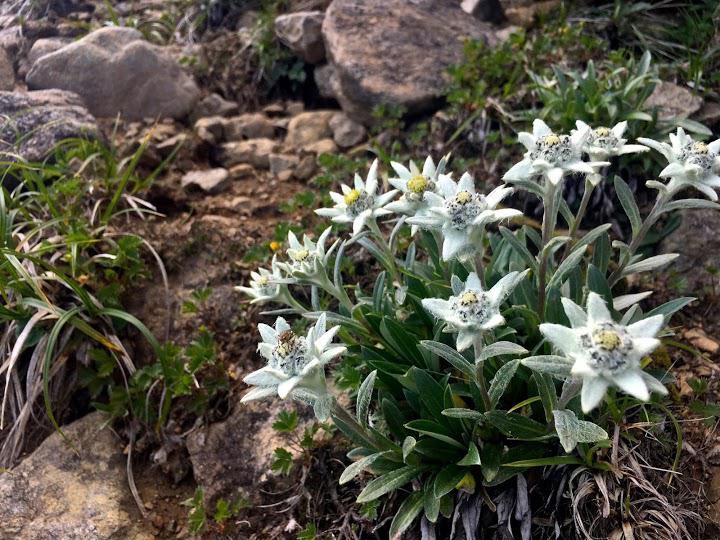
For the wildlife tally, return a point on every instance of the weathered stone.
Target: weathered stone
(213, 105)
(323, 146)
(210, 181)
(673, 101)
(242, 170)
(283, 165)
(346, 132)
(45, 46)
(301, 33)
(485, 10)
(56, 493)
(255, 152)
(293, 108)
(326, 80)
(697, 242)
(7, 72)
(395, 52)
(36, 121)
(309, 127)
(210, 129)
(306, 168)
(248, 126)
(709, 113)
(117, 72)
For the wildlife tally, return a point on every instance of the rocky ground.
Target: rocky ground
(237, 163)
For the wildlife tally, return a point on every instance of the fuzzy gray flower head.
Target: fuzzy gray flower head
(605, 352)
(471, 310)
(690, 163)
(264, 285)
(360, 203)
(602, 142)
(552, 155)
(295, 364)
(306, 261)
(462, 214)
(415, 185)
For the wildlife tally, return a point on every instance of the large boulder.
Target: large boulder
(34, 122)
(301, 32)
(71, 493)
(7, 72)
(395, 52)
(117, 72)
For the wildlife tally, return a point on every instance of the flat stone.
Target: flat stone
(210, 181)
(301, 33)
(7, 72)
(117, 72)
(324, 146)
(309, 127)
(44, 46)
(255, 152)
(282, 166)
(213, 105)
(674, 101)
(248, 126)
(346, 132)
(395, 52)
(306, 168)
(242, 170)
(210, 129)
(35, 122)
(56, 493)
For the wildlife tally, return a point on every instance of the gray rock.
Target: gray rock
(674, 101)
(36, 121)
(7, 72)
(45, 46)
(213, 105)
(255, 152)
(309, 127)
(323, 146)
(326, 80)
(395, 52)
(282, 166)
(57, 494)
(306, 168)
(485, 10)
(698, 244)
(346, 132)
(248, 126)
(210, 129)
(117, 72)
(301, 33)
(210, 181)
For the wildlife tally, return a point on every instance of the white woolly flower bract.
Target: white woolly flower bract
(690, 163)
(471, 311)
(264, 285)
(306, 261)
(295, 364)
(604, 352)
(359, 204)
(552, 155)
(462, 214)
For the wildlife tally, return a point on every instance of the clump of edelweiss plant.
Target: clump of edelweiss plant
(479, 362)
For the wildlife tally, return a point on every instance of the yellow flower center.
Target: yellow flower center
(352, 196)
(274, 246)
(263, 280)
(463, 197)
(468, 298)
(300, 255)
(700, 148)
(417, 184)
(608, 340)
(602, 132)
(551, 140)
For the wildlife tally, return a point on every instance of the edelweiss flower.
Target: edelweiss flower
(359, 204)
(691, 163)
(264, 286)
(605, 352)
(295, 365)
(473, 311)
(461, 213)
(415, 185)
(552, 155)
(306, 261)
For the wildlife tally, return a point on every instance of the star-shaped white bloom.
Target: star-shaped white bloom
(462, 214)
(690, 163)
(295, 364)
(552, 155)
(471, 311)
(264, 286)
(415, 185)
(604, 352)
(360, 203)
(306, 261)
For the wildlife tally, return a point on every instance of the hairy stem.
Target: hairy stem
(548, 225)
(480, 375)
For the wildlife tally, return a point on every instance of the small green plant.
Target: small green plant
(301, 444)
(225, 510)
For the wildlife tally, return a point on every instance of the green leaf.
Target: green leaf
(355, 468)
(501, 348)
(501, 380)
(516, 425)
(388, 482)
(543, 462)
(364, 396)
(431, 394)
(406, 514)
(472, 457)
(434, 430)
(491, 456)
(598, 283)
(379, 292)
(668, 309)
(557, 366)
(693, 126)
(408, 446)
(286, 422)
(572, 431)
(627, 200)
(431, 502)
(690, 204)
(470, 414)
(651, 263)
(566, 266)
(519, 248)
(283, 461)
(546, 390)
(457, 360)
(447, 479)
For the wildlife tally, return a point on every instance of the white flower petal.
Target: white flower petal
(285, 387)
(593, 392)
(540, 129)
(454, 242)
(631, 382)
(647, 327)
(597, 311)
(437, 307)
(575, 314)
(259, 393)
(493, 322)
(464, 340)
(268, 333)
(562, 337)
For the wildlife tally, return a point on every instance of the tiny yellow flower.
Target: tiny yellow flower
(602, 132)
(417, 184)
(468, 298)
(551, 140)
(352, 196)
(608, 340)
(700, 148)
(463, 197)
(274, 246)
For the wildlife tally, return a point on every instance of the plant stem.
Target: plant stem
(373, 226)
(479, 266)
(587, 194)
(650, 220)
(548, 225)
(480, 375)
